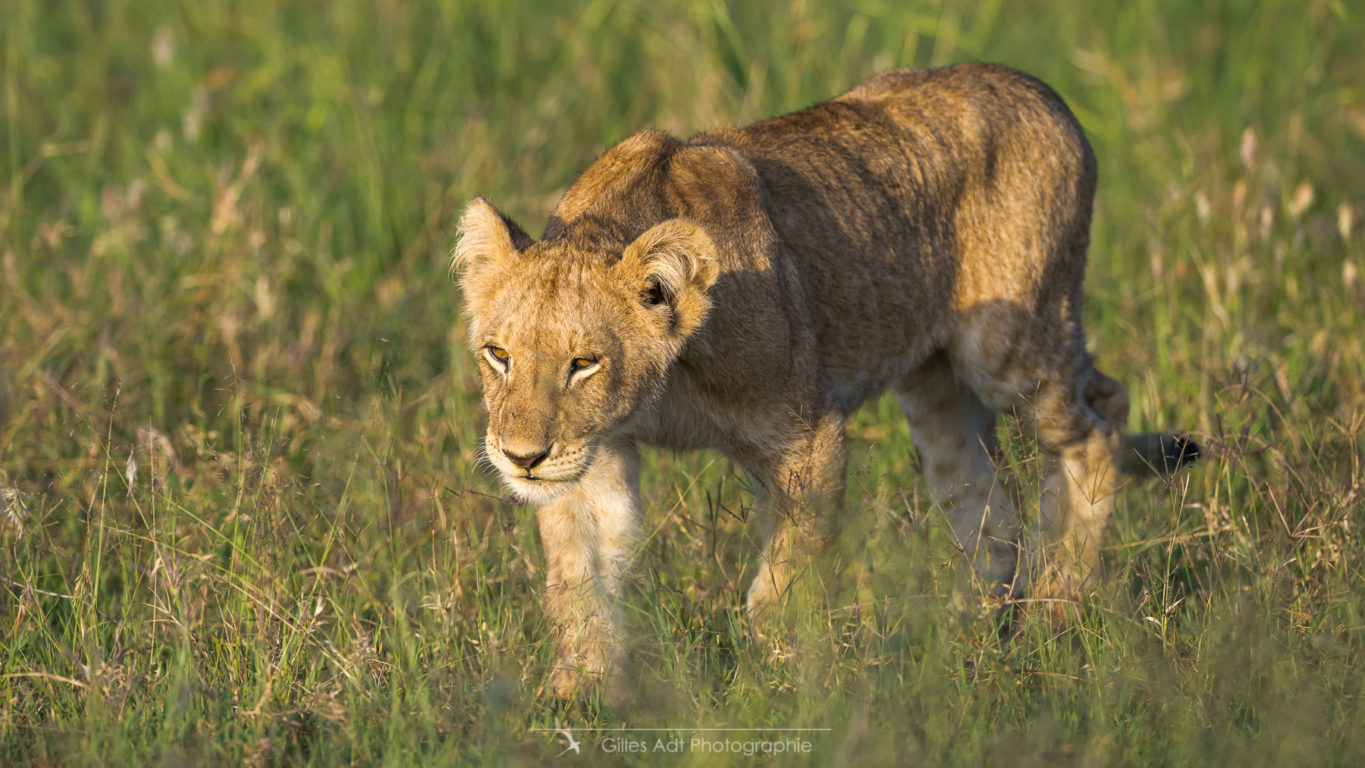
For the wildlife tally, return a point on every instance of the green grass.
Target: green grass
(224, 231)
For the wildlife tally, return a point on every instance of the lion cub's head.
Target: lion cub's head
(571, 342)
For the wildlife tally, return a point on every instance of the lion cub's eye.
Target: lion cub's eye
(581, 364)
(498, 356)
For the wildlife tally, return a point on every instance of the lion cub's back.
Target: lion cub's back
(915, 159)
(1000, 171)
(918, 195)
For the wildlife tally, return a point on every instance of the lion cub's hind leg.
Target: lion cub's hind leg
(955, 435)
(1078, 415)
(1080, 478)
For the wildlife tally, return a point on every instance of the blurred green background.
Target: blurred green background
(240, 517)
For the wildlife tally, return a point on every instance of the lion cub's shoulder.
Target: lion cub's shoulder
(621, 170)
(652, 176)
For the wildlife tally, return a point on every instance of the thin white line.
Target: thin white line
(679, 728)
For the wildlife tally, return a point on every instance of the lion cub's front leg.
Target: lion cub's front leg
(590, 535)
(801, 487)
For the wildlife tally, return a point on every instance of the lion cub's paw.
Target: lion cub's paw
(571, 682)
(1055, 594)
(566, 682)
(580, 673)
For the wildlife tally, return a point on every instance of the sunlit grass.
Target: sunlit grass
(241, 517)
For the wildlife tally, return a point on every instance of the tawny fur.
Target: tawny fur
(746, 290)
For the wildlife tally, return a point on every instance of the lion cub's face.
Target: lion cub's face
(570, 344)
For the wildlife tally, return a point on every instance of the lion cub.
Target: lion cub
(748, 289)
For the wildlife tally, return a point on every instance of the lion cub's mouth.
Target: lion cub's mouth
(532, 477)
(538, 489)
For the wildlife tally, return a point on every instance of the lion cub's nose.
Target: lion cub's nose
(526, 461)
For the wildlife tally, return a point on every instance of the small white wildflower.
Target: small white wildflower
(1303, 197)
(1202, 206)
(1249, 148)
(193, 119)
(163, 48)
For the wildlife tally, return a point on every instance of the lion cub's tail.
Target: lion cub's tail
(1150, 454)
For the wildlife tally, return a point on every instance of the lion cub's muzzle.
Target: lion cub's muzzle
(539, 473)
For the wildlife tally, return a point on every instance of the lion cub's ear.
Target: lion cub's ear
(673, 265)
(487, 237)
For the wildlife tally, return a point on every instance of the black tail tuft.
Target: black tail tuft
(1156, 454)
